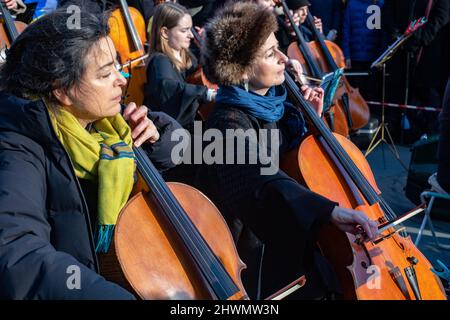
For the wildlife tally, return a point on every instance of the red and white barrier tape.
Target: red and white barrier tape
(405, 106)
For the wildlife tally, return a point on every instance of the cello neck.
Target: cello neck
(217, 280)
(137, 43)
(338, 151)
(303, 46)
(197, 38)
(9, 23)
(321, 39)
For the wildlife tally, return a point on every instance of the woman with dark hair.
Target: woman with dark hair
(169, 65)
(66, 160)
(241, 55)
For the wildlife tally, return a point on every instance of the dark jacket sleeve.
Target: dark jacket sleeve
(30, 267)
(160, 152)
(167, 91)
(439, 17)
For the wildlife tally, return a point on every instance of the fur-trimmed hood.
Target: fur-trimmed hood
(233, 39)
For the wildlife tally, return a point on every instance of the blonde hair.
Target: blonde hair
(168, 14)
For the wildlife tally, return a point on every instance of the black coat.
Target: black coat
(444, 142)
(285, 216)
(44, 219)
(167, 90)
(396, 15)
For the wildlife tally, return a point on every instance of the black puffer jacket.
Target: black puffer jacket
(44, 220)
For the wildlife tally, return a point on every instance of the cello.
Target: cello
(171, 242)
(9, 29)
(389, 267)
(332, 60)
(127, 31)
(335, 113)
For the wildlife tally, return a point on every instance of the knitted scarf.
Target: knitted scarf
(104, 155)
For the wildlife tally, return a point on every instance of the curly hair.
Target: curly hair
(50, 54)
(233, 39)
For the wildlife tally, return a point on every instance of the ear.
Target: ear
(62, 97)
(164, 33)
(245, 77)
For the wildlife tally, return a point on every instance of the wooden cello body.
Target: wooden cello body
(331, 59)
(390, 267)
(128, 33)
(9, 29)
(171, 242)
(309, 57)
(336, 117)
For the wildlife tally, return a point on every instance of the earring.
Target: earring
(246, 84)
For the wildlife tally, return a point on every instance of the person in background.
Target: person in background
(242, 56)
(361, 45)
(169, 65)
(330, 12)
(67, 165)
(424, 53)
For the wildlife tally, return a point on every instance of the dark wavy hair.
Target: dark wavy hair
(50, 54)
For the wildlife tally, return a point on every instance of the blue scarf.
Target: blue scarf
(269, 108)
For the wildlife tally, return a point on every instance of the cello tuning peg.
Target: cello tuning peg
(413, 260)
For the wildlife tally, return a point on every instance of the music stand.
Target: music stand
(383, 131)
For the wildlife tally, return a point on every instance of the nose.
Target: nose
(120, 80)
(190, 34)
(282, 57)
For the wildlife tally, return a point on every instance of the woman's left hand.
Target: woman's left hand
(318, 24)
(315, 97)
(142, 128)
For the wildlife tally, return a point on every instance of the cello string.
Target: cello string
(198, 244)
(158, 188)
(351, 168)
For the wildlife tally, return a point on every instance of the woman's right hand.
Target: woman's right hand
(348, 219)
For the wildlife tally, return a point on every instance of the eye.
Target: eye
(105, 75)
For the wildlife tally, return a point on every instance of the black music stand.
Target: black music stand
(383, 135)
(382, 132)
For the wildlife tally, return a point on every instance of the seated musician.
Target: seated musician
(171, 63)
(66, 163)
(241, 55)
(300, 9)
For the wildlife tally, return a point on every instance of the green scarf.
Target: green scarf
(104, 156)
